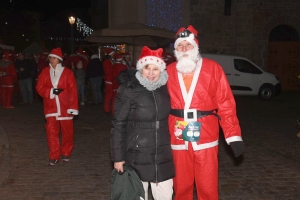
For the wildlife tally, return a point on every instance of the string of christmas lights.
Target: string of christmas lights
(164, 13)
(83, 27)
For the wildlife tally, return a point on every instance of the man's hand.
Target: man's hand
(57, 91)
(237, 147)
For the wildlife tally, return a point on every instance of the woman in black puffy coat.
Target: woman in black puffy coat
(140, 136)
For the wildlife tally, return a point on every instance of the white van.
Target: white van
(245, 77)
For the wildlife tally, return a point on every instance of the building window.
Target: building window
(284, 33)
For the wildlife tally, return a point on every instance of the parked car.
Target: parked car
(245, 77)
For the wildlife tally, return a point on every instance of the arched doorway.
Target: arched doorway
(284, 55)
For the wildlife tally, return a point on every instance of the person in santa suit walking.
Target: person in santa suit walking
(118, 67)
(57, 85)
(8, 76)
(107, 67)
(201, 99)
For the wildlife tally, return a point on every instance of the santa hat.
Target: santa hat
(94, 56)
(6, 56)
(57, 53)
(45, 51)
(79, 51)
(109, 51)
(118, 57)
(189, 34)
(149, 56)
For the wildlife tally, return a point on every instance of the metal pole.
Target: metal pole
(72, 39)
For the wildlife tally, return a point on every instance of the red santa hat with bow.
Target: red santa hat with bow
(149, 56)
(189, 34)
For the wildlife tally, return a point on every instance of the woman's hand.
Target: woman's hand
(119, 166)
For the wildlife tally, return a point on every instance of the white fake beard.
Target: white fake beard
(187, 64)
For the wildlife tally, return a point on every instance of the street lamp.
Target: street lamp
(72, 21)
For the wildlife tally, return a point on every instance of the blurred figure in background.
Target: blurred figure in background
(107, 66)
(94, 74)
(24, 68)
(8, 76)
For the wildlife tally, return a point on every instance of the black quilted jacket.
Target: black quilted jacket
(140, 134)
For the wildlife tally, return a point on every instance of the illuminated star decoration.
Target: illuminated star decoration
(86, 31)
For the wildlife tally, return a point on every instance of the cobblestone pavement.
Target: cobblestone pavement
(268, 170)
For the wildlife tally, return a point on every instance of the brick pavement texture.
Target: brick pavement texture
(268, 170)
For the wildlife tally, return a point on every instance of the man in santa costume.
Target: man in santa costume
(118, 67)
(201, 98)
(107, 68)
(8, 76)
(57, 85)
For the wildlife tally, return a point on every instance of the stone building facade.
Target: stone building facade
(246, 30)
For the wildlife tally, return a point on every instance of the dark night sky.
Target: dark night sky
(48, 8)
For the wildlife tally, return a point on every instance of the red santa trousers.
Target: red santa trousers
(200, 166)
(6, 95)
(108, 97)
(53, 128)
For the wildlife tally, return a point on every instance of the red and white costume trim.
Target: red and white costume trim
(59, 109)
(209, 91)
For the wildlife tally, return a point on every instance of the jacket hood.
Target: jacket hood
(127, 78)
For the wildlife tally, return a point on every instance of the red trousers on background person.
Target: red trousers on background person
(53, 129)
(6, 96)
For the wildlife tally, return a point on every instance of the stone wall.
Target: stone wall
(246, 31)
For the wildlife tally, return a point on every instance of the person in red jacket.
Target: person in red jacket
(57, 85)
(201, 99)
(107, 68)
(8, 76)
(117, 68)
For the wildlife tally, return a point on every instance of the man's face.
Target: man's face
(184, 46)
(20, 56)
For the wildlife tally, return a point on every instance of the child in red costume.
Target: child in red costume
(57, 85)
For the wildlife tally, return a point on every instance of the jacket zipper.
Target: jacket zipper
(155, 137)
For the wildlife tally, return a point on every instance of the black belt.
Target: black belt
(146, 125)
(200, 114)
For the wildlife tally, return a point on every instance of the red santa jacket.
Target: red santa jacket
(211, 91)
(64, 105)
(107, 68)
(7, 68)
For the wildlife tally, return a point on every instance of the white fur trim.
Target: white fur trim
(72, 111)
(94, 56)
(148, 60)
(56, 56)
(190, 39)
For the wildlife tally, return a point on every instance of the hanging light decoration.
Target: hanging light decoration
(82, 27)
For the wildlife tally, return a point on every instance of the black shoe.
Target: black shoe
(65, 159)
(52, 162)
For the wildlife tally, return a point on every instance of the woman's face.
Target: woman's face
(53, 61)
(151, 72)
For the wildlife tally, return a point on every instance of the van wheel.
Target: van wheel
(266, 92)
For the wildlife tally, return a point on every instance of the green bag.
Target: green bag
(126, 186)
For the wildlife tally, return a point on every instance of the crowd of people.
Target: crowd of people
(90, 73)
(166, 113)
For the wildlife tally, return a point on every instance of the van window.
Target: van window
(246, 67)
